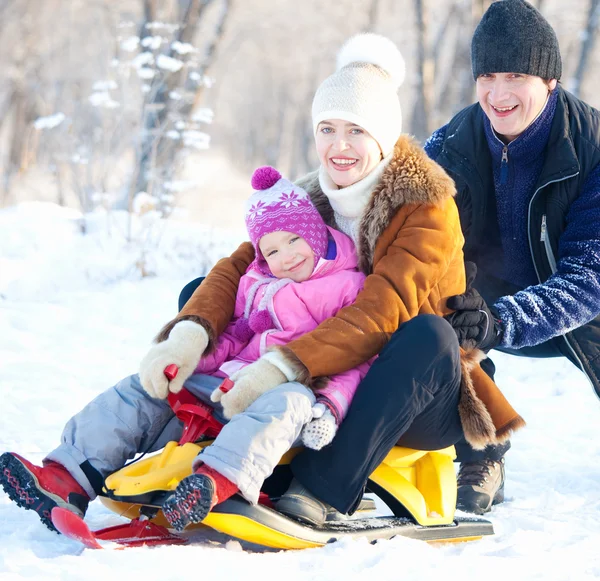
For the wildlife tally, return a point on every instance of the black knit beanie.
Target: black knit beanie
(513, 37)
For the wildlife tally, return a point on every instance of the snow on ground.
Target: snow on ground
(75, 316)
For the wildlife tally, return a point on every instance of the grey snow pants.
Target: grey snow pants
(124, 421)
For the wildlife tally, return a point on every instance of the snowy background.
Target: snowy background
(76, 316)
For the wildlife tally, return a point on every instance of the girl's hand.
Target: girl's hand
(249, 384)
(184, 347)
(321, 430)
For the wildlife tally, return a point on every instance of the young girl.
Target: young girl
(304, 272)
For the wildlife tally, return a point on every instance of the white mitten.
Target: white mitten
(184, 347)
(250, 383)
(320, 431)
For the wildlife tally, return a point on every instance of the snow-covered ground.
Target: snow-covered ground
(75, 316)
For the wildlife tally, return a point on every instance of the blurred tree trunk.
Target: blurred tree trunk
(444, 80)
(422, 103)
(372, 16)
(587, 45)
(21, 108)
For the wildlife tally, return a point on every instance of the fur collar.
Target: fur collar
(410, 178)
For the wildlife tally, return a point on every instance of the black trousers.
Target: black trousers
(409, 397)
(188, 290)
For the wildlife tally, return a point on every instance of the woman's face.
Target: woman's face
(346, 151)
(512, 101)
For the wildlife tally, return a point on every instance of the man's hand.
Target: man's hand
(184, 347)
(249, 384)
(473, 321)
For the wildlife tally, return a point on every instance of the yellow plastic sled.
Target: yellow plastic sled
(419, 487)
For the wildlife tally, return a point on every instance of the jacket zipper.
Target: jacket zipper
(551, 260)
(504, 165)
(545, 239)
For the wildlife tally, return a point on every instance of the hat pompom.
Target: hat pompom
(242, 330)
(265, 177)
(374, 49)
(260, 321)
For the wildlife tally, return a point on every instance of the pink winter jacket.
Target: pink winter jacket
(296, 309)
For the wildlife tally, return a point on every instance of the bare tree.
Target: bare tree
(422, 103)
(157, 149)
(372, 15)
(587, 45)
(19, 106)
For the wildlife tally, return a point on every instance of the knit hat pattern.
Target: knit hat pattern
(514, 37)
(278, 205)
(364, 89)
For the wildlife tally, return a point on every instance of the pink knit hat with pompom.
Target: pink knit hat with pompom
(278, 205)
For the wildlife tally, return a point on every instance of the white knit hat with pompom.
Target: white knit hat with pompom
(364, 89)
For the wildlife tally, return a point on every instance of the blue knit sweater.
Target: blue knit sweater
(570, 298)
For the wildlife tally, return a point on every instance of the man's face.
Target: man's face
(512, 101)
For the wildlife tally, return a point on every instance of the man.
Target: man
(525, 160)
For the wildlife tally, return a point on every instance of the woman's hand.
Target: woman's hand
(184, 347)
(249, 384)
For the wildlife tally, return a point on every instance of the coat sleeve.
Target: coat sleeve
(213, 302)
(227, 345)
(340, 390)
(570, 298)
(428, 239)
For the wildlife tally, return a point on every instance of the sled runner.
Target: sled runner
(418, 486)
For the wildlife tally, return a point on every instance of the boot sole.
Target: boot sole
(24, 490)
(190, 503)
(468, 502)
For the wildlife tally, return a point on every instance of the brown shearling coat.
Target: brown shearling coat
(410, 247)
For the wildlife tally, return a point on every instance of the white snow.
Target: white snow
(203, 115)
(152, 42)
(168, 63)
(130, 44)
(103, 99)
(183, 47)
(76, 317)
(50, 121)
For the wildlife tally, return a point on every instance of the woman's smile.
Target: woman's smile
(343, 163)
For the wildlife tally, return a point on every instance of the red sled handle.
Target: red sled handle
(171, 371)
(226, 385)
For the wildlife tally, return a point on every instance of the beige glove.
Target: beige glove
(249, 384)
(184, 347)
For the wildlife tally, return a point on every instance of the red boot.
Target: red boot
(41, 488)
(195, 496)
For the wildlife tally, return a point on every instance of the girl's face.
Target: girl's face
(512, 101)
(288, 255)
(346, 151)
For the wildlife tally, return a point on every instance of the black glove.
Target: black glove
(475, 324)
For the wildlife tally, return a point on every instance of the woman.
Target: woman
(381, 189)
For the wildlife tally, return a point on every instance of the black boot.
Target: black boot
(191, 502)
(300, 504)
(480, 485)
